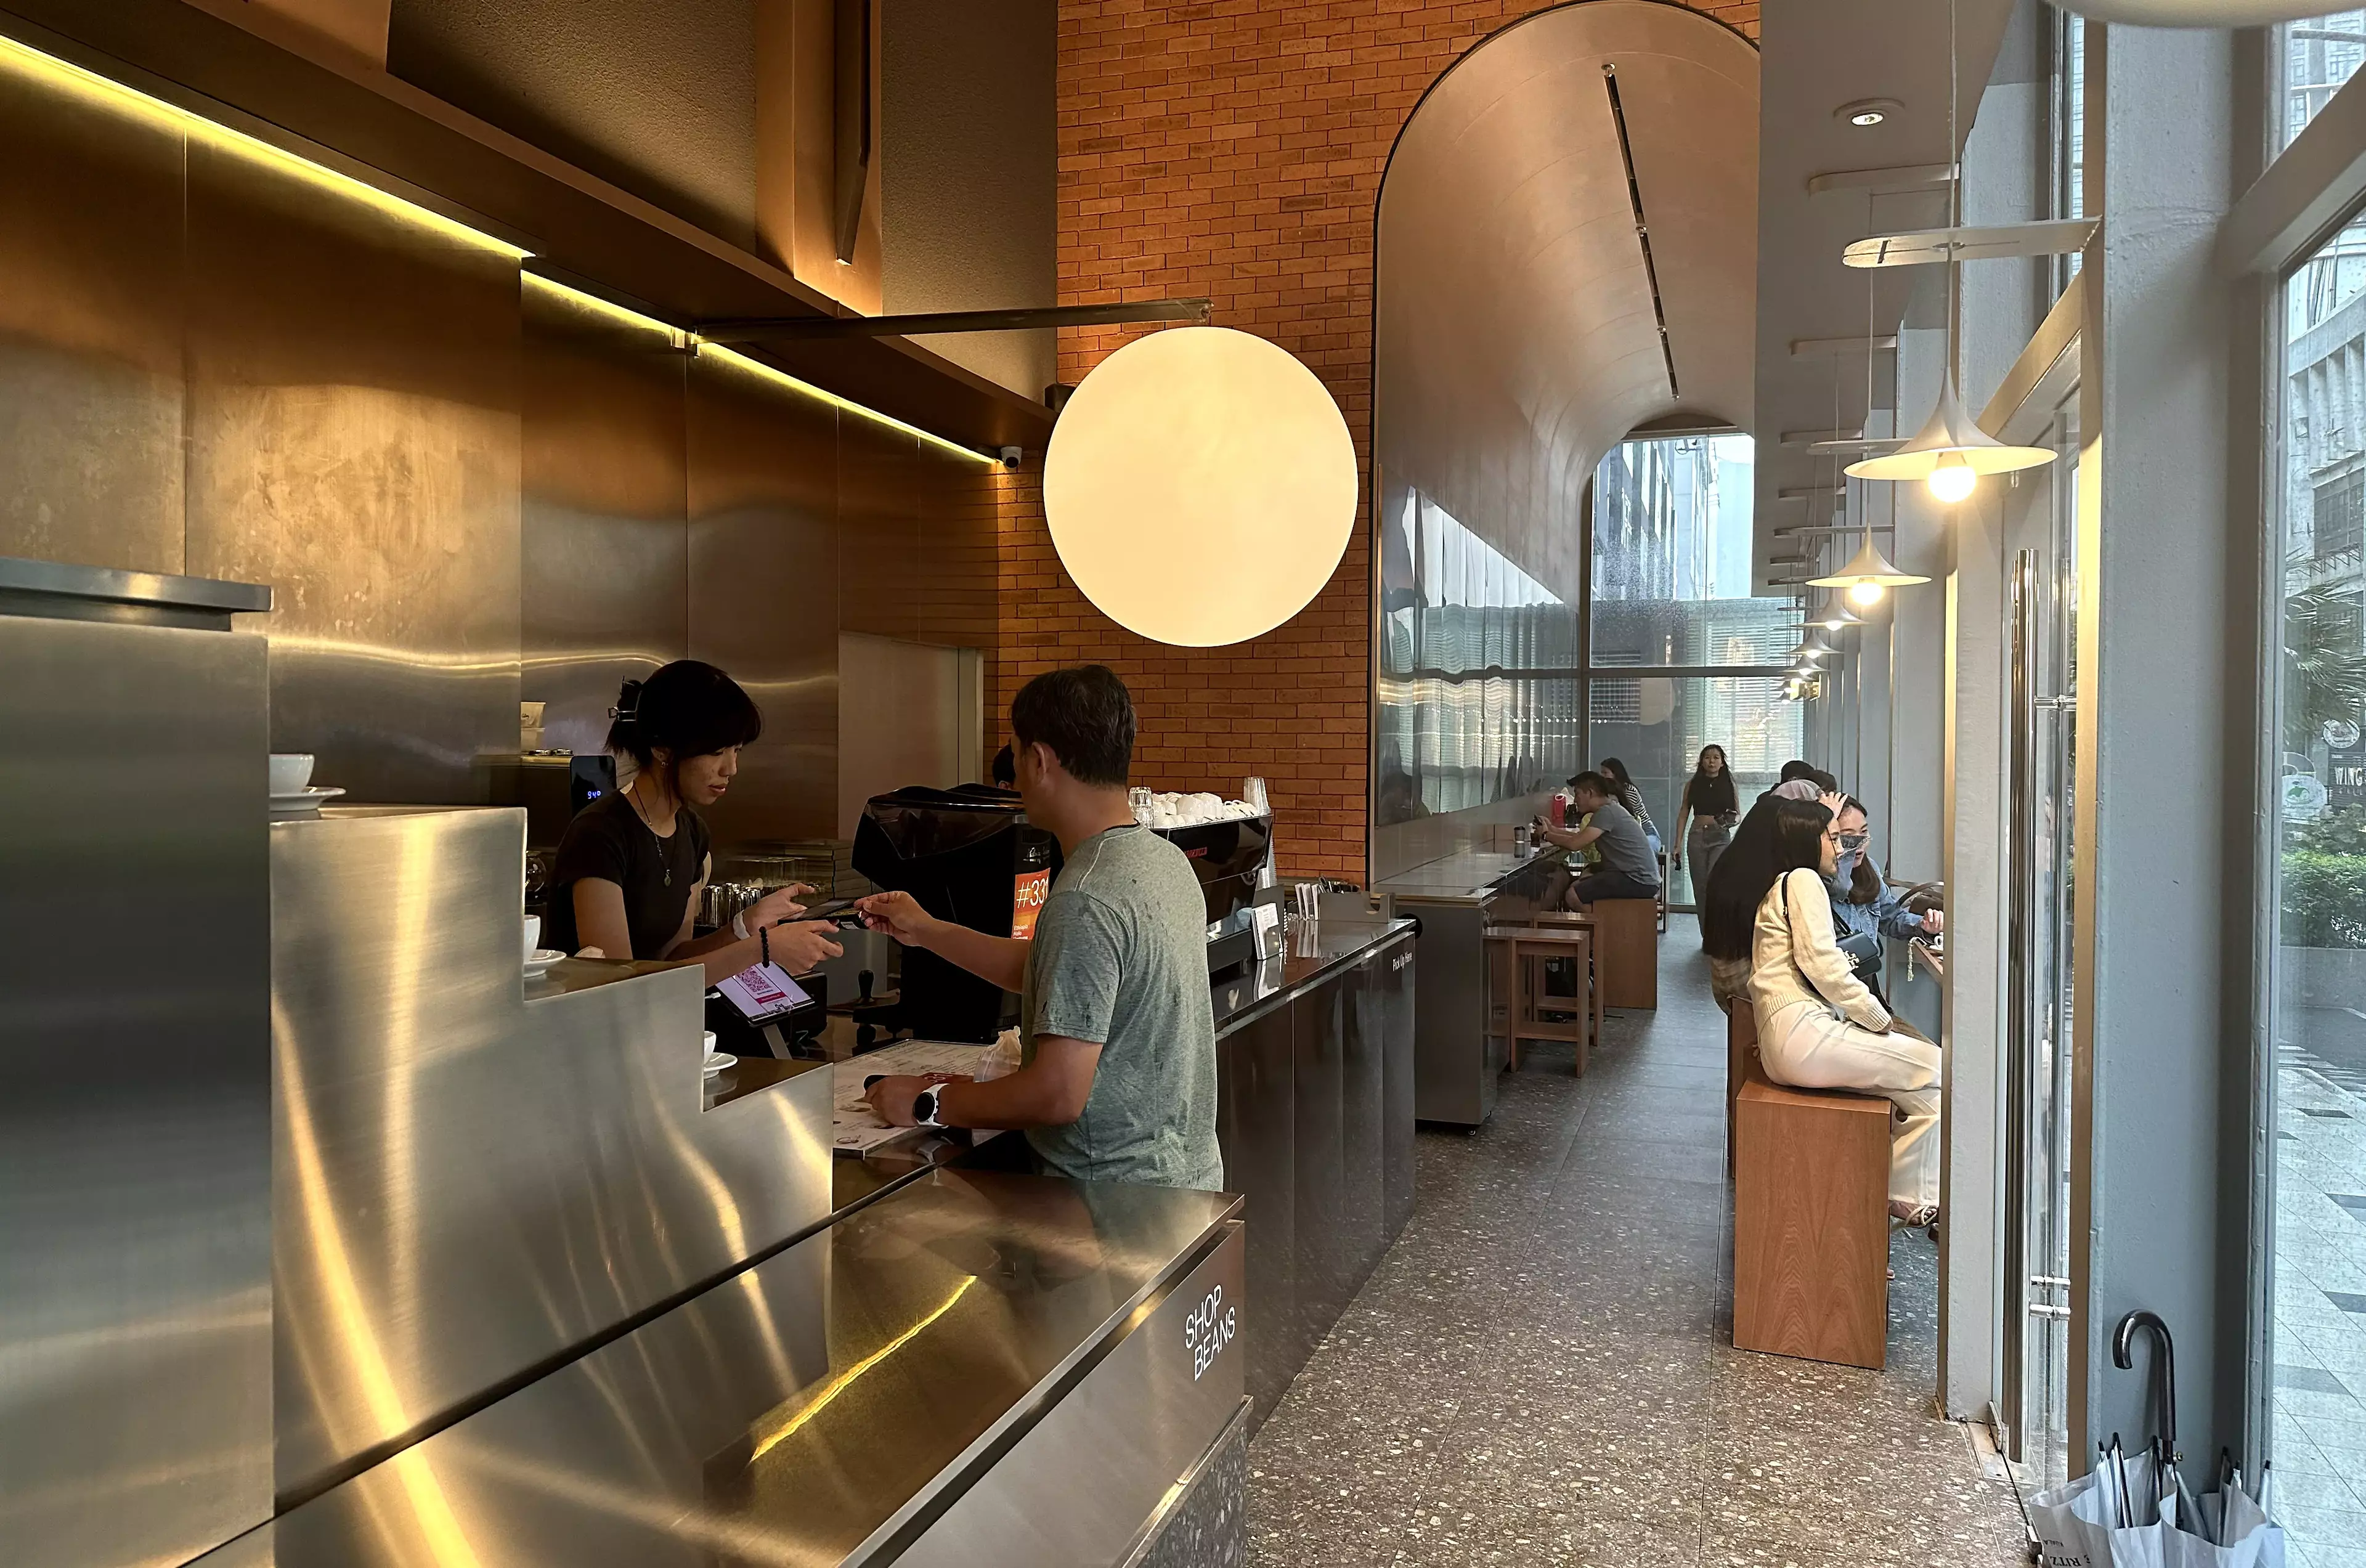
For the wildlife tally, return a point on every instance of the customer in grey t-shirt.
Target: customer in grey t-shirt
(1628, 869)
(1117, 1079)
(1120, 959)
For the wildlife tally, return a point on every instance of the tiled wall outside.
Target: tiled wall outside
(1234, 148)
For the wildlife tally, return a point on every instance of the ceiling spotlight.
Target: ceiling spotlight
(1867, 111)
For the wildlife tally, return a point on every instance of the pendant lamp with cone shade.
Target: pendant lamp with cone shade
(1867, 576)
(1952, 451)
(1950, 444)
(1836, 615)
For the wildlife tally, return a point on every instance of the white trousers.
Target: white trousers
(1806, 1047)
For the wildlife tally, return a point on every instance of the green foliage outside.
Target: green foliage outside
(2324, 864)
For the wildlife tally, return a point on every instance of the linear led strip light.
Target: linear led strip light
(104, 93)
(691, 343)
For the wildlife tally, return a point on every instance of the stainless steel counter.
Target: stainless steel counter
(474, 1176)
(1456, 897)
(1472, 874)
(1314, 952)
(978, 1369)
(1315, 1085)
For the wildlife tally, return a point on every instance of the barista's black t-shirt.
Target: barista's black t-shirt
(609, 841)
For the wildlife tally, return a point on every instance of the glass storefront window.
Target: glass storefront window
(2320, 53)
(2317, 1266)
(1671, 546)
(2069, 97)
(1483, 694)
(1658, 725)
(1470, 707)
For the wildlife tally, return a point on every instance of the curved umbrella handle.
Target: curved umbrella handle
(2123, 1357)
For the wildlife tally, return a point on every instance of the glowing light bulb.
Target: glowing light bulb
(1864, 595)
(1952, 479)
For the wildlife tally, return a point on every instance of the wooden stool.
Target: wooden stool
(1551, 919)
(1527, 948)
(1811, 1222)
(1628, 947)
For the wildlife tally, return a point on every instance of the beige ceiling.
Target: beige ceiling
(1516, 339)
(1821, 189)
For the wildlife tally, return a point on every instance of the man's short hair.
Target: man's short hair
(1825, 782)
(1593, 783)
(1086, 716)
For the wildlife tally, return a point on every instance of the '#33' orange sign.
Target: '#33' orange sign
(1028, 891)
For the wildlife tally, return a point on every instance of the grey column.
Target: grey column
(2164, 792)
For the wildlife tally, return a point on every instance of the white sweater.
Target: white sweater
(1793, 958)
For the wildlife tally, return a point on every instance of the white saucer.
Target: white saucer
(539, 964)
(303, 801)
(718, 1060)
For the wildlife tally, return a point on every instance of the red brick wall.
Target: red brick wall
(1234, 148)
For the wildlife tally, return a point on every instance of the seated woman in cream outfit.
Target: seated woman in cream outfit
(1819, 1027)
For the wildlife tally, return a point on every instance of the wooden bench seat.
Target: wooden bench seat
(1810, 1222)
(1741, 1055)
(1627, 951)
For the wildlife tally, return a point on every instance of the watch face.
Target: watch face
(924, 1107)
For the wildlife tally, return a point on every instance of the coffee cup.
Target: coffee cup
(290, 771)
(533, 934)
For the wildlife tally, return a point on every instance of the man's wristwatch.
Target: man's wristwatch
(924, 1109)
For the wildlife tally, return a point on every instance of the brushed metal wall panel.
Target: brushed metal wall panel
(605, 573)
(90, 331)
(467, 1182)
(879, 556)
(763, 589)
(353, 442)
(135, 1094)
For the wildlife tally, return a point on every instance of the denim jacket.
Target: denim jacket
(1885, 917)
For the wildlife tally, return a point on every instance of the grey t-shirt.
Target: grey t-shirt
(1623, 846)
(1120, 959)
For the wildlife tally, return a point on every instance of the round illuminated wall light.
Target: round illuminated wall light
(1867, 111)
(1201, 485)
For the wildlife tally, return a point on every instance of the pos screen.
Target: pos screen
(764, 992)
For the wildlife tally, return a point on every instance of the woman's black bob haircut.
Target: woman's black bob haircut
(685, 710)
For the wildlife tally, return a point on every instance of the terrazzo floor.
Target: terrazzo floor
(1541, 1369)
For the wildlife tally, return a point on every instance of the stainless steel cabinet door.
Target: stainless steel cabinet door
(135, 1093)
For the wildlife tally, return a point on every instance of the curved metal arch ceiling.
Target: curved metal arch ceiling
(1515, 340)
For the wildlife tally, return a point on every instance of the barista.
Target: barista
(632, 863)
